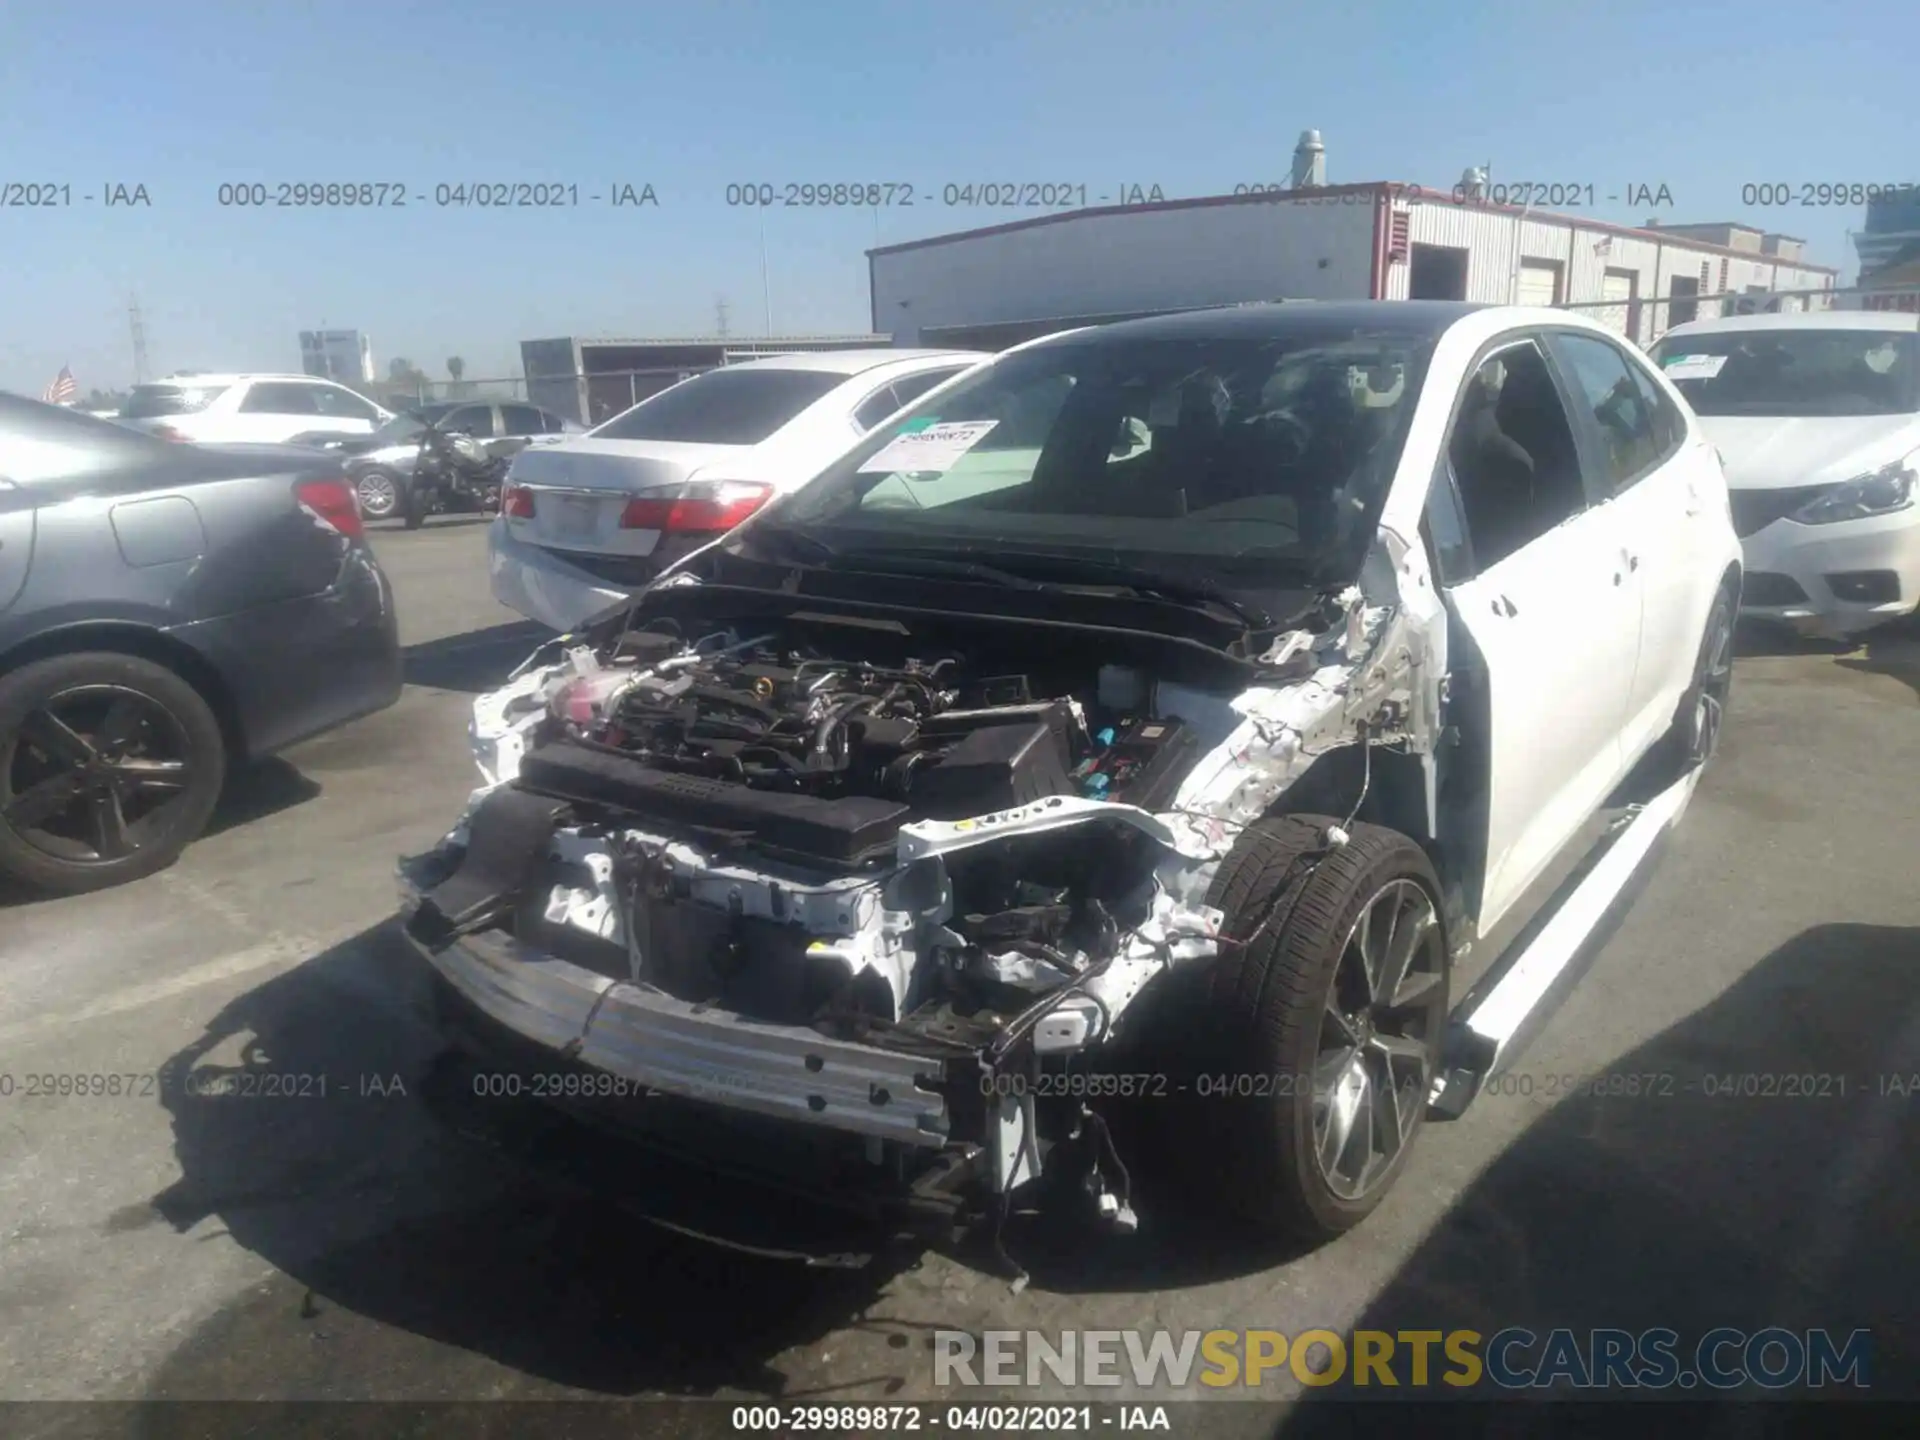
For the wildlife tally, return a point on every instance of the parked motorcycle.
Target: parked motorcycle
(453, 471)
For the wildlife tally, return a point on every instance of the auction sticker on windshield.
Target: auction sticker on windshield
(933, 448)
(1694, 367)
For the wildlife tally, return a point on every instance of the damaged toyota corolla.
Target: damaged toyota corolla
(1164, 720)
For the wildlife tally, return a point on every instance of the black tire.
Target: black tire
(1257, 1019)
(1694, 736)
(117, 819)
(414, 506)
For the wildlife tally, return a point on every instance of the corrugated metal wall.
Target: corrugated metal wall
(1151, 260)
(1128, 262)
(1585, 255)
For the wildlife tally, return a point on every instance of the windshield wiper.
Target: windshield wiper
(1154, 584)
(898, 562)
(956, 562)
(792, 539)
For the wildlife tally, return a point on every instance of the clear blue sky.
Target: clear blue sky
(690, 96)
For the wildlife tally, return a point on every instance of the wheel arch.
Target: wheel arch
(1387, 787)
(123, 637)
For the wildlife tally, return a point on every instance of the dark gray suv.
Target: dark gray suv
(166, 612)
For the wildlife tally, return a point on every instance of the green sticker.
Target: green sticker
(914, 427)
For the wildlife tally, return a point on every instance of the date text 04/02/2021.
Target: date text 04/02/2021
(993, 1419)
(206, 1082)
(445, 195)
(61, 195)
(973, 194)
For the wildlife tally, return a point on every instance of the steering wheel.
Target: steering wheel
(1298, 434)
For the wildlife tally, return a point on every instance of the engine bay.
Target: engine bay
(808, 752)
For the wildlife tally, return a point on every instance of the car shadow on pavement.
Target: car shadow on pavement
(411, 1264)
(1760, 1174)
(434, 522)
(258, 790)
(1892, 650)
(475, 660)
(1754, 639)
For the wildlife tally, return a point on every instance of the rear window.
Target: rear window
(1795, 372)
(147, 402)
(723, 407)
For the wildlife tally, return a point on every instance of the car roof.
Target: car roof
(1291, 320)
(852, 362)
(227, 377)
(1814, 320)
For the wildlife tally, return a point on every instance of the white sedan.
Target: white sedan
(584, 522)
(1212, 711)
(1817, 418)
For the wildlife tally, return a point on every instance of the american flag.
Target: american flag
(62, 390)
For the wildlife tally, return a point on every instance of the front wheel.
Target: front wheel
(1694, 736)
(1309, 1064)
(381, 494)
(110, 766)
(415, 502)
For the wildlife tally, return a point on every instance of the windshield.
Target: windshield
(148, 402)
(723, 407)
(1241, 461)
(406, 426)
(1795, 372)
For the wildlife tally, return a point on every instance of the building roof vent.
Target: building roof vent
(1473, 183)
(1309, 161)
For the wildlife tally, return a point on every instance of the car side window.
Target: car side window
(526, 420)
(1515, 464)
(474, 420)
(911, 387)
(1625, 423)
(877, 406)
(1445, 524)
(343, 404)
(1669, 425)
(273, 398)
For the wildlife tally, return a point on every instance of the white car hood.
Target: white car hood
(1772, 453)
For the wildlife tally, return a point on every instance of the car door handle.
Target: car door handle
(1503, 606)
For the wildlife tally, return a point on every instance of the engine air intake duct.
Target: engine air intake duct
(847, 832)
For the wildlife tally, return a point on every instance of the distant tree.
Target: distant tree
(408, 381)
(456, 367)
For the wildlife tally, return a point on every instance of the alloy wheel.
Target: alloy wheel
(1374, 1065)
(94, 773)
(379, 496)
(1714, 687)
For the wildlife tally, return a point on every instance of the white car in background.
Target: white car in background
(584, 522)
(232, 409)
(1817, 419)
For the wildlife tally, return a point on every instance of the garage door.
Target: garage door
(1539, 284)
(1617, 288)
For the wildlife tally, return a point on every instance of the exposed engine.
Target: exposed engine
(822, 758)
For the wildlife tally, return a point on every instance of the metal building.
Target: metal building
(993, 287)
(592, 380)
(343, 355)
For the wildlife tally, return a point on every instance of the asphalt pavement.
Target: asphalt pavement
(318, 1238)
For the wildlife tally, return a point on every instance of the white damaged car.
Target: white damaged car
(1232, 724)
